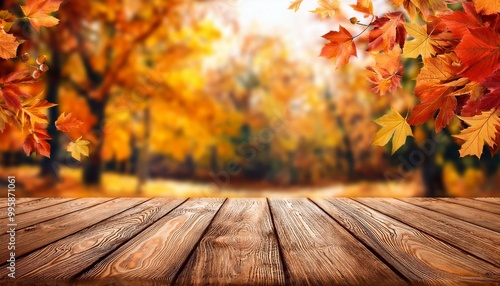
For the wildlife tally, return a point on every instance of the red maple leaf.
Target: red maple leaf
(388, 30)
(340, 48)
(37, 142)
(479, 51)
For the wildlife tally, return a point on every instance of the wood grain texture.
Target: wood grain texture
(158, 253)
(492, 200)
(418, 256)
(40, 215)
(67, 257)
(476, 240)
(239, 248)
(318, 251)
(477, 204)
(39, 235)
(472, 215)
(32, 205)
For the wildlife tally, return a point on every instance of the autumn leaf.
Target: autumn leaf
(363, 6)
(482, 129)
(487, 7)
(11, 99)
(385, 75)
(8, 45)
(459, 22)
(328, 8)
(67, 122)
(340, 47)
(388, 30)
(421, 44)
(33, 112)
(37, 142)
(393, 126)
(38, 12)
(295, 5)
(78, 148)
(492, 98)
(435, 85)
(479, 51)
(6, 20)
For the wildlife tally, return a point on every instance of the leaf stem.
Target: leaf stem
(367, 26)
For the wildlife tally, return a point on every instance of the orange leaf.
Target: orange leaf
(487, 7)
(386, 74)
(66, 123)
(295, 5)
(340, 47)
(12, 100)
(480, 53)
(37, 142)
(8, 45)
(363, 6)
(388, 30)
(37, 11)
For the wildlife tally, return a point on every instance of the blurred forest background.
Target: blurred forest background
(220, 97)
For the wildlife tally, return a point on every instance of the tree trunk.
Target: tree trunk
(143, 164)
(93, 166)
(49, 166)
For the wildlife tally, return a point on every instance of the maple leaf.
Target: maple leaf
(340, 47)
(6, 20)
(8, 45)
(11, 99)
(479, 51)
(435, 85)
(295, 5)
(66, 123)
(37, 11)
(482, 129)
(388, 30)
(487, 7)
(392, 124)
(363, 6)
(79, 148)
(386, 74)
(37, 142)
(33, 112)
(459, 22)
(492, 98)
(421, 44)
(328, 8)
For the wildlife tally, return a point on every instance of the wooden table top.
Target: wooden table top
(342, 241)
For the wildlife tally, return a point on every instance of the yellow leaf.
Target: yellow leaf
(421, 44)
(295, 5)
(78, 148)
(328, 8)
(392, 124)
(482, 129)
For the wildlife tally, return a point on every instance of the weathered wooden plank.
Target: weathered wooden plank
(481, 242)
(239, 248)
(492, 200)
(477, 204)
(158, 253)
(472, 215)
(416, 255)
(39, 235)
(32, 205)
(318, 251)
(41, 215)
(69, 256)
